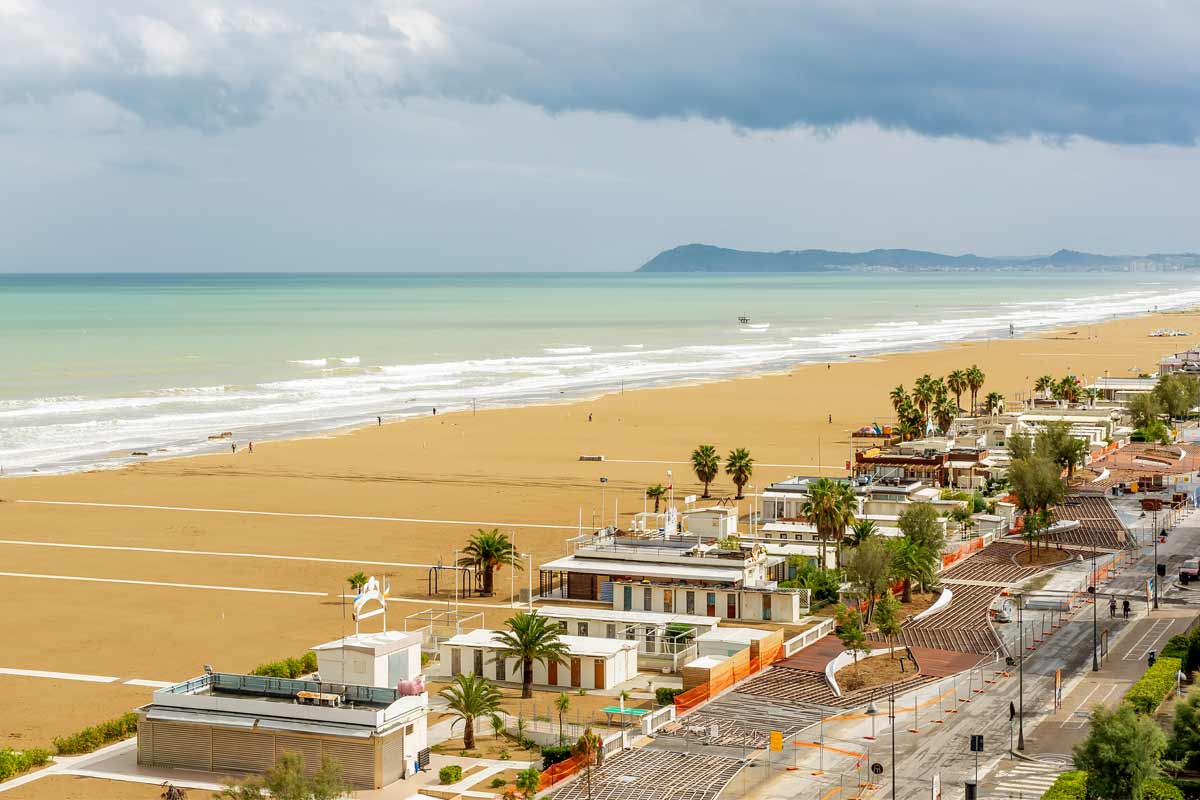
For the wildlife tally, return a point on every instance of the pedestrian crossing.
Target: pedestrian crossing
(1023, 780)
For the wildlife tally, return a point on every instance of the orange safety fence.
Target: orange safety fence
(698, 695)
(962, 552)
(558, 772)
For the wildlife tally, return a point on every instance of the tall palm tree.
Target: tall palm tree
(898, 396)
(740, 467)
(923, 395)
(994, 403)
(656, 493)
(830, 508)
(944, 412)
(488, 551)
(1044, 384)
(470, 697)
(957, 382)
(357, 581)
(975, 379)
(589, 750)
(706, 463)
(529, 638)
(1093, 394)
(861, 531)
(1070, 389)
(562, 704)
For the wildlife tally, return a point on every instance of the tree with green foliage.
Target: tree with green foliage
(1121, 753)
(739, 466)
(656, 493)
(1034, 525)
(917, 552)
(861, 531)
(1056, 443)
(1020, 445)
(1183, 748)
(956, 381)
(822, 584)
(1155, 432)
(1044, 384)
(357, 581)
(898, 397)
(944, 411)
(562, 704)
(470, 697)
(993, 404)
(1144, 409)
(850, 632)
(830, 507)
(588, 751)
(1037, 484)
(975, 379)
(487, 552)
(869, 569)
(961, 516)
(887, 617)
(706, 464)
(528, 780)
(287, 780)
(1177, 394)
(531, 637)
(924, 394)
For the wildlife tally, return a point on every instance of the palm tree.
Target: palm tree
(861, 531)
(975, 379)
(830, 508)
(469, 697)
(957, 382)
(529, 638)
(656, 493)
(1093, 394)
(488, 551)
(706, 464)
(899, 396)
(994, 403)
(1070, 389)
(923, 395)
(528, 781)
(588, 750)
(739, 466)
(563, 704)
(1044, 384)
(944, 412)
(357, 581)
(962, 516)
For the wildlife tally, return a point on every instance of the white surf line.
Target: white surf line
(160, 583)
(218, 553)
(418, 520)
(76, 676)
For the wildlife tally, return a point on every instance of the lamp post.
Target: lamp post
(1154, 533)
(892, 718)
(871, 712)
(529, 599)
(1095, 600)
(1021, 676)
(603, 480)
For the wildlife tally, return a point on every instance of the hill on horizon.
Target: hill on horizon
(709, 258)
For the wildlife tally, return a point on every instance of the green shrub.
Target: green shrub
(553, 755)
(1176, 646)
(288, 667)
(498, 782)
(450, 774)
(1189, 786)
(1155, 684)
(665, 696)
(1069, 786)
(95, 737)
(1161, 790)
(14, 762)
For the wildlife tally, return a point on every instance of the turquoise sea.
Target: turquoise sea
(97, 366)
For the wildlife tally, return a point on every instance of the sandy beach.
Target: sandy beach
(155, 593)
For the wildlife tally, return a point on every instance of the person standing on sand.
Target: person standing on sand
(379, 421)
(250, 447)
(233, 447)
(589, 416)
(435, 411)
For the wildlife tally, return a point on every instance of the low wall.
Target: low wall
(813, 634)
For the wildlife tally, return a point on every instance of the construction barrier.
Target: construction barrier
(559, 772)
(741, 665)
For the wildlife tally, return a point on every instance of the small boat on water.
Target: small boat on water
(745, 320)
(750, 327)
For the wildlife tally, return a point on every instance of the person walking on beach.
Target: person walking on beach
(435, 411)
(1112, 606)
(379, 421)
(1125, 608)
(233, 447)
(589, 416)
(250, 447)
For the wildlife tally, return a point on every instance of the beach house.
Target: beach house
(592, 662)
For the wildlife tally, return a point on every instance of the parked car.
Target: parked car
(1189, 570)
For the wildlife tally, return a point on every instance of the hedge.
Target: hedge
(450, 774)
(14, 762)
(1155, 684)
(1161, 790)
(553, 755)
(1189, 786)
(1069, 786)
(665, 696)
(288, 668)
(97, 736)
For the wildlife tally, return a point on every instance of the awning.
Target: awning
(199, 718)
(963, 464)
(603, 566)
(311, 727)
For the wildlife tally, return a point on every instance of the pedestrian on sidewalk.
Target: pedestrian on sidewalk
(1112, 606)
(1125, 608)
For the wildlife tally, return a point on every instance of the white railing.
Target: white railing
(803, 640)
(654, 721)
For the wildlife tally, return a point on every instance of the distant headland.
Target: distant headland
(708, 258)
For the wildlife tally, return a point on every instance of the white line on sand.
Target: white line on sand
(473, 523)
(150, 684)
(211, 553)
(160, 583)
(688, 463)
(62, 676)
(438, 603)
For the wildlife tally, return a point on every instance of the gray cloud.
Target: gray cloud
(988, 70)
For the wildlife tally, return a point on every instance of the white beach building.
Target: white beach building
(593, 663)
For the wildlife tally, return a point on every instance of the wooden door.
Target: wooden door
(599, 674)
(552, 673)
(455, 661)
(576, 673)
(668, 601)
(711, 608)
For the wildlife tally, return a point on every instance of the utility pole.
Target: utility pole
(1095, 601)
(1021, 676)
(892, 717)
(1154, 533)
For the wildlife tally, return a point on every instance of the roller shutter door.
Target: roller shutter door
(357, 760)
(145, 750)
(187, 746)
(310, 749)
(393, 758)
(242, 751)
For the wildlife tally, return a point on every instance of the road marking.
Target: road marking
(218, 553)
(62, 676)
(357, 518)
(1023, 780)
(1155, 631)
(160, 583)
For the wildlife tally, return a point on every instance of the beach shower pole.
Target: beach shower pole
(529, 599)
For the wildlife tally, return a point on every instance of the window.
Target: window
(766, 607)
(731, 606)
(610, 630)
(360, 667)
(627, 596)
(783, 536)
(647, 602)
(691, 603)
(668, 600)
(583, 628)
(501, 669)
(478, 662)
(562, 625)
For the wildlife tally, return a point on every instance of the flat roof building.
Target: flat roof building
(593, 663)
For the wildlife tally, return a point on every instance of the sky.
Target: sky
(558, 135)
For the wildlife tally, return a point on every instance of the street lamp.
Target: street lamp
(1021, 675)
(1095, 600)
(1154, 533)
(871, 712)
(603, 480)
(892, 717)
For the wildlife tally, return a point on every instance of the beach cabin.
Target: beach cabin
(730, 641)
(716, 522)
(371, 659)
(593, 663)
(655, 634)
